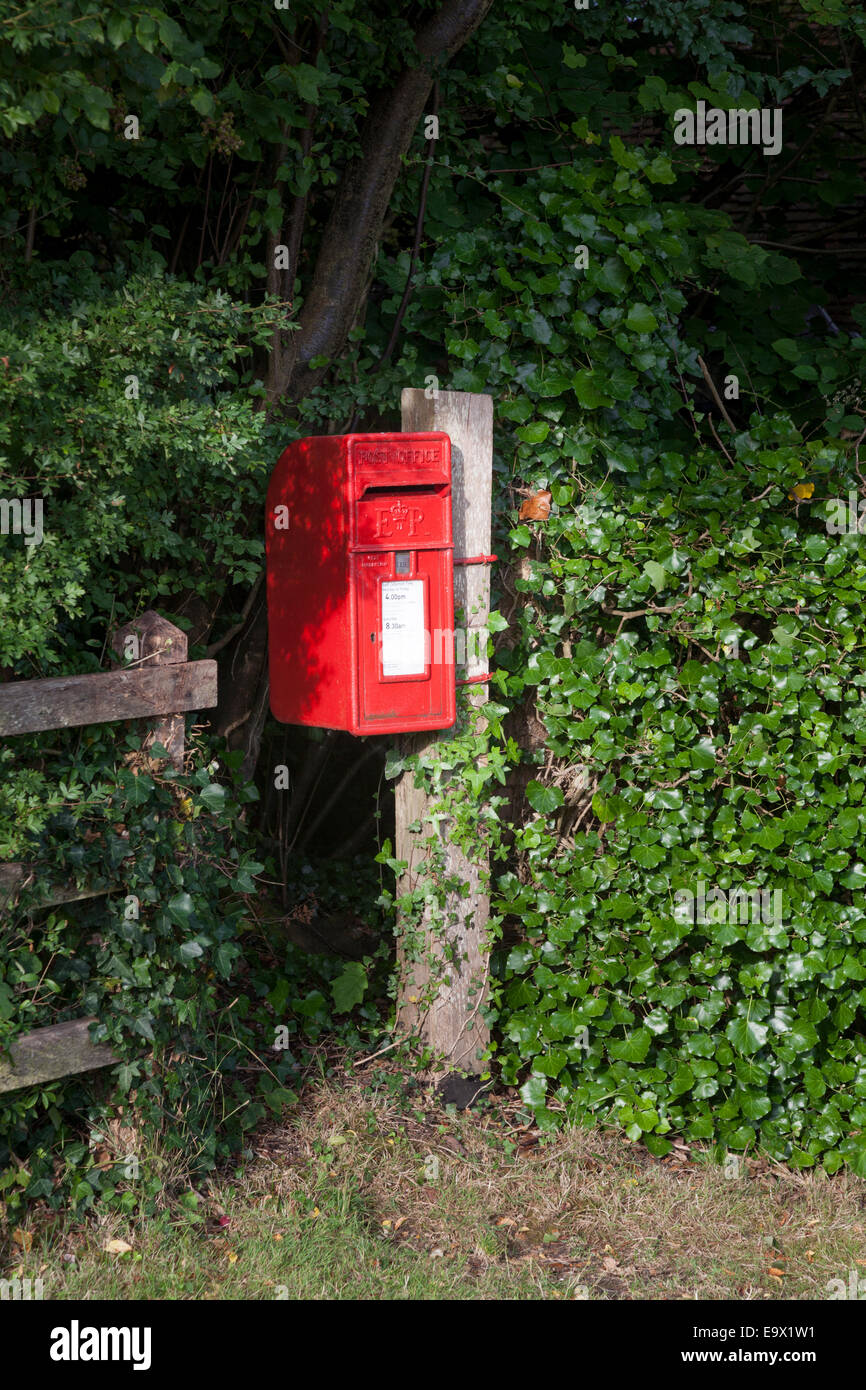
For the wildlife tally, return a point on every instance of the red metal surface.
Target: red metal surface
(355, 642)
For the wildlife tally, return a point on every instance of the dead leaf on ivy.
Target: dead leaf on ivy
(536, 507)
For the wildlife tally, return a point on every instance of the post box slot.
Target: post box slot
(416, 489)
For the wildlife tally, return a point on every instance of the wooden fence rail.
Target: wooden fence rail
(62, 702)
(160, 682)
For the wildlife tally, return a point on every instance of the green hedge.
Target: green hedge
(724, 745)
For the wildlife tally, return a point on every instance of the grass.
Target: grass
(374, 1192)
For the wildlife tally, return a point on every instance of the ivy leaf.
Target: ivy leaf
(543, 799)
(534, 1092)
(126, 1073)
(225, 956)
(605, 808)
(536, 433)
(180, 909)
(350, 986)
(243, 880)
(634, 1048)
(641, 319)
(214, 797)
(658, 574)
(854, 1153)
(613, 276)
(552, 1063)
(588, 391)
(395, 762)
(747, 1036)
(538, 328)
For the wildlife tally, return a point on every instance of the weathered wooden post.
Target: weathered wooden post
(153, 641)
(444, 966)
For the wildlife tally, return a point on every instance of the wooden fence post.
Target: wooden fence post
(154, 641)
(450, 961)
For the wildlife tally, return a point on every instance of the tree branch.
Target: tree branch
(236, 628)
(351, 236)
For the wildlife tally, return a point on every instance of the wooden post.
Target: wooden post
(154, 641)
(444, 975)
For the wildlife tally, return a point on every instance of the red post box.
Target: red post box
(360, 583)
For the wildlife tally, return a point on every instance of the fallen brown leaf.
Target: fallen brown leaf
(23, 1238)
(117, 1247)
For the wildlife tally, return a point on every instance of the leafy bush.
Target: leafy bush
(721, 744)
(211, 1029)
(117, 411)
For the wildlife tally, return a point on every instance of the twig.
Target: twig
(812, 250)
(693, 643)
(31, 235)
(761, 494)
(719, 442)
(204, 225)
(638, 612)
(237, 724)
(716, 397)
(678, 783)
(236, 628)
(362, 1062)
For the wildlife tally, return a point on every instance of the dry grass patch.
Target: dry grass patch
(374, 1192)
(584, 1209)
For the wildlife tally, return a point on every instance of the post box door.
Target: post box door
(405, 638)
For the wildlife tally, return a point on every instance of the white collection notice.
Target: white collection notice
(403, 628)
